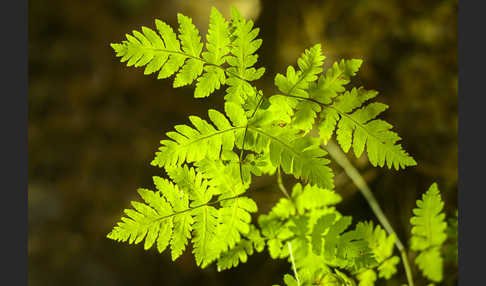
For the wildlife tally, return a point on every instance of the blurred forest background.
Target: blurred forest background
(94, 124)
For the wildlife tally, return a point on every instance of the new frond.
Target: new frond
(429, 233)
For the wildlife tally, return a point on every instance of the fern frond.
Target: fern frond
(381, 246)
(302, 158)
(429, 233)
(380, 243)
(156, 220)
(206, 223)
(428, 221)
(388, 267)
(332, 83)
(295, 82)
(289, 280)
(358, 127)
(252, 242)
(171, 214)
(242, 58)
(169, 53)
(299, 156)
(217, 45)
(218, 39)
(345, 249)
(148, 48)
(367, 278)
(234, 215)
(313, 197)
(194, 144)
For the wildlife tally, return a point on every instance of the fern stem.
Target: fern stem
(293, 264)
(244, 137)
(199, 206)
(281, 185)
(199, 59)
(340, 158)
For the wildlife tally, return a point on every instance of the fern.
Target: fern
(173, 212)
(358, 127)
(211, 162)
(429, 233)
(194, 144)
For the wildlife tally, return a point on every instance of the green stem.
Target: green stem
(281, 185)
(293, 263)
(198, 59)
(198, 206)
(340, 158)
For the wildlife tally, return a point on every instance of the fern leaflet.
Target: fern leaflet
(429, 233)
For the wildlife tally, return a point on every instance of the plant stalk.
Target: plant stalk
(340, 158)
(281, 185)
(293, 263)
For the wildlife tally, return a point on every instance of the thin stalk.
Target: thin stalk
(281, 185)
(340, 158)
(293, 264)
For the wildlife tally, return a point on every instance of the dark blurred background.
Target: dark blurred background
(94, 124)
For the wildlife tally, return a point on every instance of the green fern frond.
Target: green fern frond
(252, 242)
(303, 159)
(244, 44)
(171, 214)
(182, 54)
(367, 278)
(345, 249)
(295, 82)
(289, 280)
(194, 144)
(234, 214)
(388, 267)
(380, 243)
(206, 223)
(299, 156)
(217, 45)
(357, 127)
(313, 197)
(429, 233)
(218, 39)
(333, 81)
(155, 220)
(428, 221)
(381, 246)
